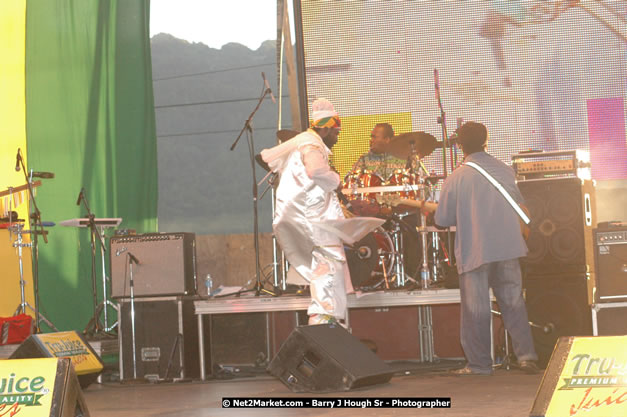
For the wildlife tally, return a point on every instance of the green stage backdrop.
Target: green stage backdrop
(90, 120)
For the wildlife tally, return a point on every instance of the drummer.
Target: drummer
(378, 161)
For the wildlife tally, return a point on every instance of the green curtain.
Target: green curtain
(90, 120)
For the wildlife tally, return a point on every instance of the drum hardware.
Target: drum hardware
(36, 229)
(385, 274)
(399, 264)
(19, 243)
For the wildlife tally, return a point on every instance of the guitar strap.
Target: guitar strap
(502, 190)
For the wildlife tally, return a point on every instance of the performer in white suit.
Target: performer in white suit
(309, 223)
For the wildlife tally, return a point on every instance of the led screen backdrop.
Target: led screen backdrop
(540, 74)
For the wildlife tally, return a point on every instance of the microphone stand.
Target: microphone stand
(251, 149)
(93, 234)
(37, 228)
(131, 258)
(445, 142)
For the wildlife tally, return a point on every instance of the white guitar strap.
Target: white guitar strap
(502, 190)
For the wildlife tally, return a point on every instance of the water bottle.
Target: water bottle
(208, 284)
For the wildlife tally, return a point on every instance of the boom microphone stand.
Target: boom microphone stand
(95, 322)
(251, 149)
(36, 228)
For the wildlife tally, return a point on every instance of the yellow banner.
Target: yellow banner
(27, 386)
(70, 345)
(593, 382)
(354, 140)
(13, 136)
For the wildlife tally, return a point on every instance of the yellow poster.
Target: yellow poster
(70, 345)
(13, 137)
(27, 386)
(593, 381)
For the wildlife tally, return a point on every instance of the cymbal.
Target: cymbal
(286, 134)
(423, 144)
(261, 162)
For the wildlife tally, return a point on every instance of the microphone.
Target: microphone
(436, 79)
(80, 197)
(17, 160)
(120, 251)
(133, 258)
(344, 200)
(37, 174)
(268, 89)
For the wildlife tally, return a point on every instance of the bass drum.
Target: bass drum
(367, 259)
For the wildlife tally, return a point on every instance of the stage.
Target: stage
(506, 394)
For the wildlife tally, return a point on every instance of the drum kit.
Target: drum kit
(379, 260)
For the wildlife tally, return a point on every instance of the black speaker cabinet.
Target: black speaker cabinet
(167, 264)
(610, 319)
(71, 345)
(563, 214)
(558, 304)
(610, 249)
(327, 358)
(166, 339)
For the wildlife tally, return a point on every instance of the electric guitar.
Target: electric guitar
(394, 201)
(430, 207)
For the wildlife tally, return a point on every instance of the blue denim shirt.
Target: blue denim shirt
(488, 228)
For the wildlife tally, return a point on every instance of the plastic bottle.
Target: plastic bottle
(209, 284)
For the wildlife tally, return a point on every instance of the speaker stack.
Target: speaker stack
(559, 269)
(164, 343)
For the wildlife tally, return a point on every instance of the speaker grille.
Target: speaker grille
(560, 240)
(167, 264)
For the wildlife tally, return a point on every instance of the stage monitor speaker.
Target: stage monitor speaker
(559, 304)
(71, 345)
(167, 264)
(327, 358)
(585, 377)
(610, 250)
(41, 387)
(563, 214)
(166, 339)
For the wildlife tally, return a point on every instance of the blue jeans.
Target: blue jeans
(504, 278)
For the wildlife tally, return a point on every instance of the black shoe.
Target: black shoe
(466, 371)
(529, 367)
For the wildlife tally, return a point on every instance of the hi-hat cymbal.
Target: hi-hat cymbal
(286, 134)
(406, 144)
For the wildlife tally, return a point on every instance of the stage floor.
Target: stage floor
(506, 394)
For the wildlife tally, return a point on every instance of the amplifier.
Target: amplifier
(610, 251)
(167, 264)
(535, 165)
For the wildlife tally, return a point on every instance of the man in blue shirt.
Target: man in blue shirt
(488, 245)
